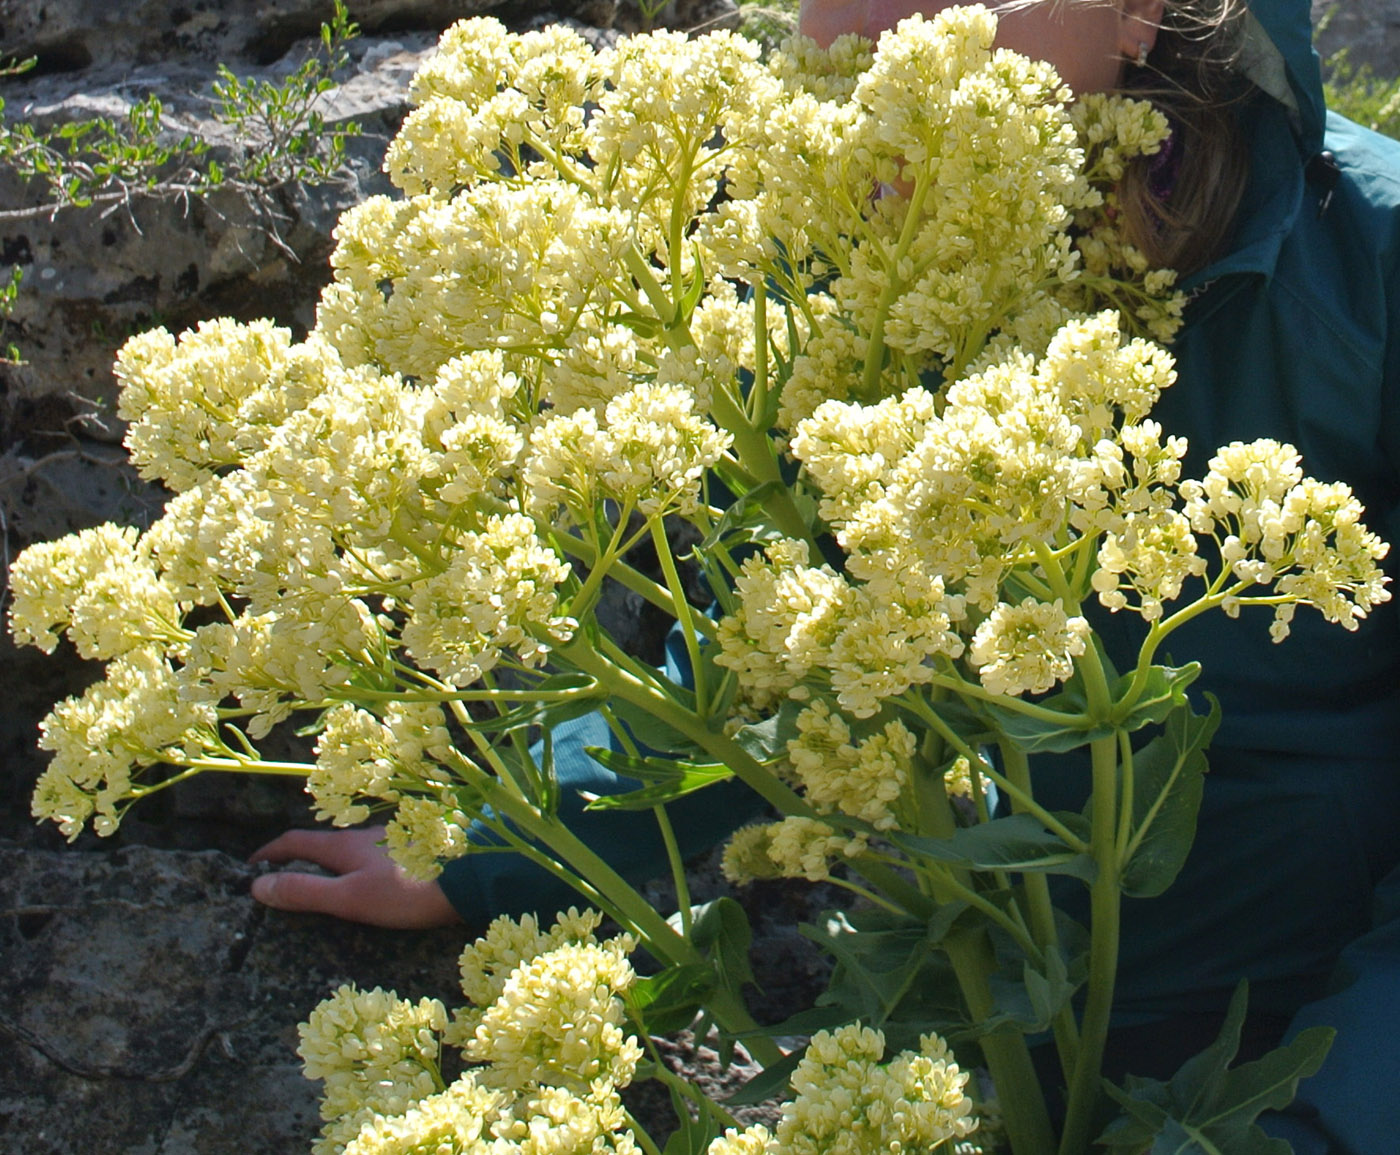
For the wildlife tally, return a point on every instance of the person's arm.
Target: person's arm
(366, 886)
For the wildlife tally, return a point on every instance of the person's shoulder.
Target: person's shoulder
(1369, 160)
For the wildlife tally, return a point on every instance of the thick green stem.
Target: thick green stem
(1105, 897)
(1041, 909)
(894, 285)
(965, 689)
(685, 616)
(627, 905)
(625, 575)
(1025, 800)
(632, 689)
(1019, 1095)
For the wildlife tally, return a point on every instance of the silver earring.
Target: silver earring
(1142, 54)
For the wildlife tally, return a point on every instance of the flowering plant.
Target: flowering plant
(861, 320)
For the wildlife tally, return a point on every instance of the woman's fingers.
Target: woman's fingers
(292, 890)
(338, 850)
(367, 885)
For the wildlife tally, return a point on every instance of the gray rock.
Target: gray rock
(148, 1006)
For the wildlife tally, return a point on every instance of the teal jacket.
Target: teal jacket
(1294, 334)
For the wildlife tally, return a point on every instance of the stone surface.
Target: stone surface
(148, 1006)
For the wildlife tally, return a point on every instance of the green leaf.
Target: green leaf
(1165, 691)
(889, 974)
(644, 325)
(650, 731)
(721, 932)
(972, 727)
(1208, 1107)
(693, 291)
(770, 1083)
(1039, 735)
(745, 521)
(668, 779)
(767, 740)
(1267, 1084)
(692, 1136)
(1028, 994)
(1018, 842)
(670, 1000)
(1168, 781)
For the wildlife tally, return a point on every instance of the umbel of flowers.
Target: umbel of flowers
(546, 1031)
(862, 320)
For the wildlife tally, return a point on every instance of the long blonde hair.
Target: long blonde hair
(1191, 76)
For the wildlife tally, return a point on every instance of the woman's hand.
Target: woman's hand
(366, 885)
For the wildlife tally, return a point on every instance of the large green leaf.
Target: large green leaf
(890, 974)
(650, 731)
(1042, 735)
(1168, 781)
(721, 932)
(1028, 993)
(769, 1083)
(1208, 1107)
(692, 1136)
(1017, 842)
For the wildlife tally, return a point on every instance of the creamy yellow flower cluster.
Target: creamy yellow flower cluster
(545, 1042)
(939, 504)
(1275, 526)
(535, 340)
(849, 1102)
(333, 518)
(865, 777)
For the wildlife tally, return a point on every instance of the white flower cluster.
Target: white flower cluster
(547, 1038)
(863, 778)
(1027, 648)
(377, 1055)
(648, 454)
(850, 1103)
(1115, 272)
(938, 502)
(794, 847)
(1276, 527)
(935, 504)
